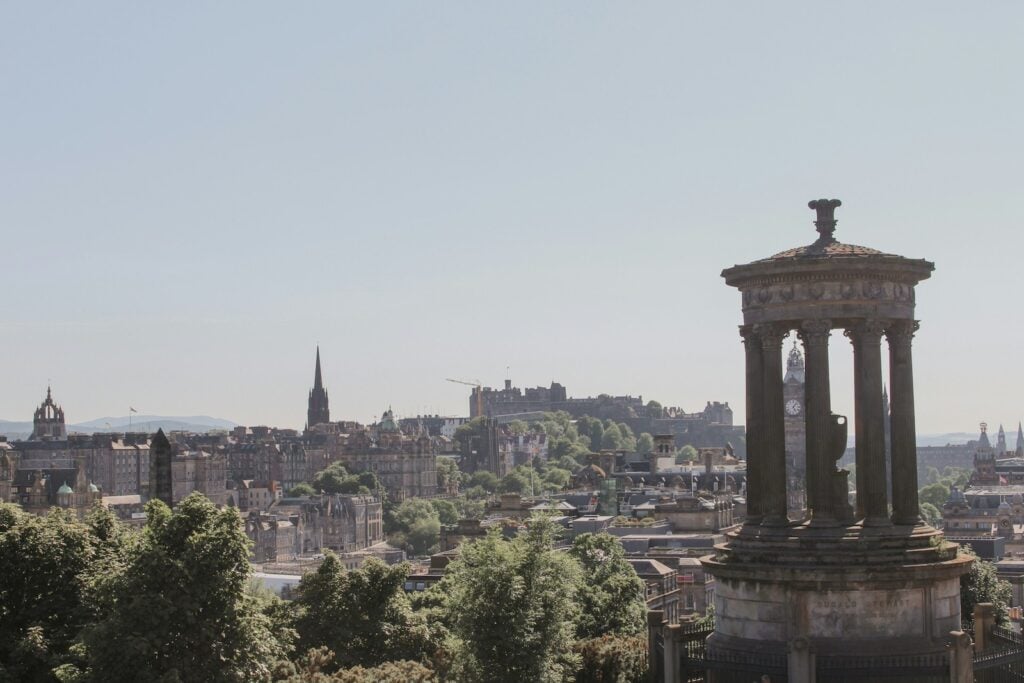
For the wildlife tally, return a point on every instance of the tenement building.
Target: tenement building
(860, 592)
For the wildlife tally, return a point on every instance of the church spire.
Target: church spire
(1001, 441)
(318, 411)
(1020, 441)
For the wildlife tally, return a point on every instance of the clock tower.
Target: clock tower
(795, 428)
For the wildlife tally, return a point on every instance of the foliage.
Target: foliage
(686, 454)
(935, 494)
(613, 659)
(511, 606)
(931, 514)
(446, 510)
(464, 433)
(470, 507)
(312, 667)
(46, 565)
(982, 585)
(336, 479)
(448, 474)
(654, 410)
(518, 427)
(519, 480)
(302, 489)
(488, 481)
(416, 526)
(362, 615)
(645, 443)
(179, 610)
(611, 596)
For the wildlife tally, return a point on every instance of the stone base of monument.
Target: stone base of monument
(797, 603)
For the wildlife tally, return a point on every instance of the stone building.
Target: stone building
(117, 463)
(342, 523)
(176, 471)
(275, 538)
(37, 491)
(405, 464)
(812, 598)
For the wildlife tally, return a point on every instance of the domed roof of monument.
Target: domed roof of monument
(826, 246)
(65, 489)
(826, 249)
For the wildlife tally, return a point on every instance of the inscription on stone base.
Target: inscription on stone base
(878, 614)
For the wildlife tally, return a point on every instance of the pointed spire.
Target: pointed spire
(318, 380)
(1001, 440)
(1020, 442)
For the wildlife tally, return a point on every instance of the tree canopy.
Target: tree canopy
(511, 606)
(611, 595)
(363, 616)
(179, 610)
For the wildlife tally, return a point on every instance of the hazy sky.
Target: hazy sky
(193, 196)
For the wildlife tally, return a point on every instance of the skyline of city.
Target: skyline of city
(447, 192)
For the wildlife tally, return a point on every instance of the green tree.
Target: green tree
(446, 510)
(556, 478)
(611, 597)
(301, 489)
(628, 437)
(368, 482)
(686, 454)
(312, 667)
(611, 439)
(522, 479)
(448, 474)
(363, 615)
(982, 585)
(936, 494)
(931, 514)
(518, 427)
(180, 610)
(645, 443)
(654, 410)
(417, 526)
(488, 481)
(45, 564)
(511, 606)
(613, 659)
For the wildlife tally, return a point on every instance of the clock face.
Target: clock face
(792, 407)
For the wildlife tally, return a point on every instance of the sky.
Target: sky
(194, 195)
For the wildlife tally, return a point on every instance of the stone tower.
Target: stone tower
(1019, 452)
(161, 453)
(48, 421)
(795, 428)
(1001, 442)
(318, 411)
(821, 597)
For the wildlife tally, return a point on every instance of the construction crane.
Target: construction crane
(478, 392)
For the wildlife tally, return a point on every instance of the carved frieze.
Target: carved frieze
(869, 291)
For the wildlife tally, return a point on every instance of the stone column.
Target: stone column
(773, 472)
(867, 336)
(905, 506)
(755, 437)
(815, 334)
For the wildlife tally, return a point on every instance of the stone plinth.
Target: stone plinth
(846, 592)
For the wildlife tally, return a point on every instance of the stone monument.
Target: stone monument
(864, 589)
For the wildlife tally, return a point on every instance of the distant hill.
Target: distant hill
(139, 423)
